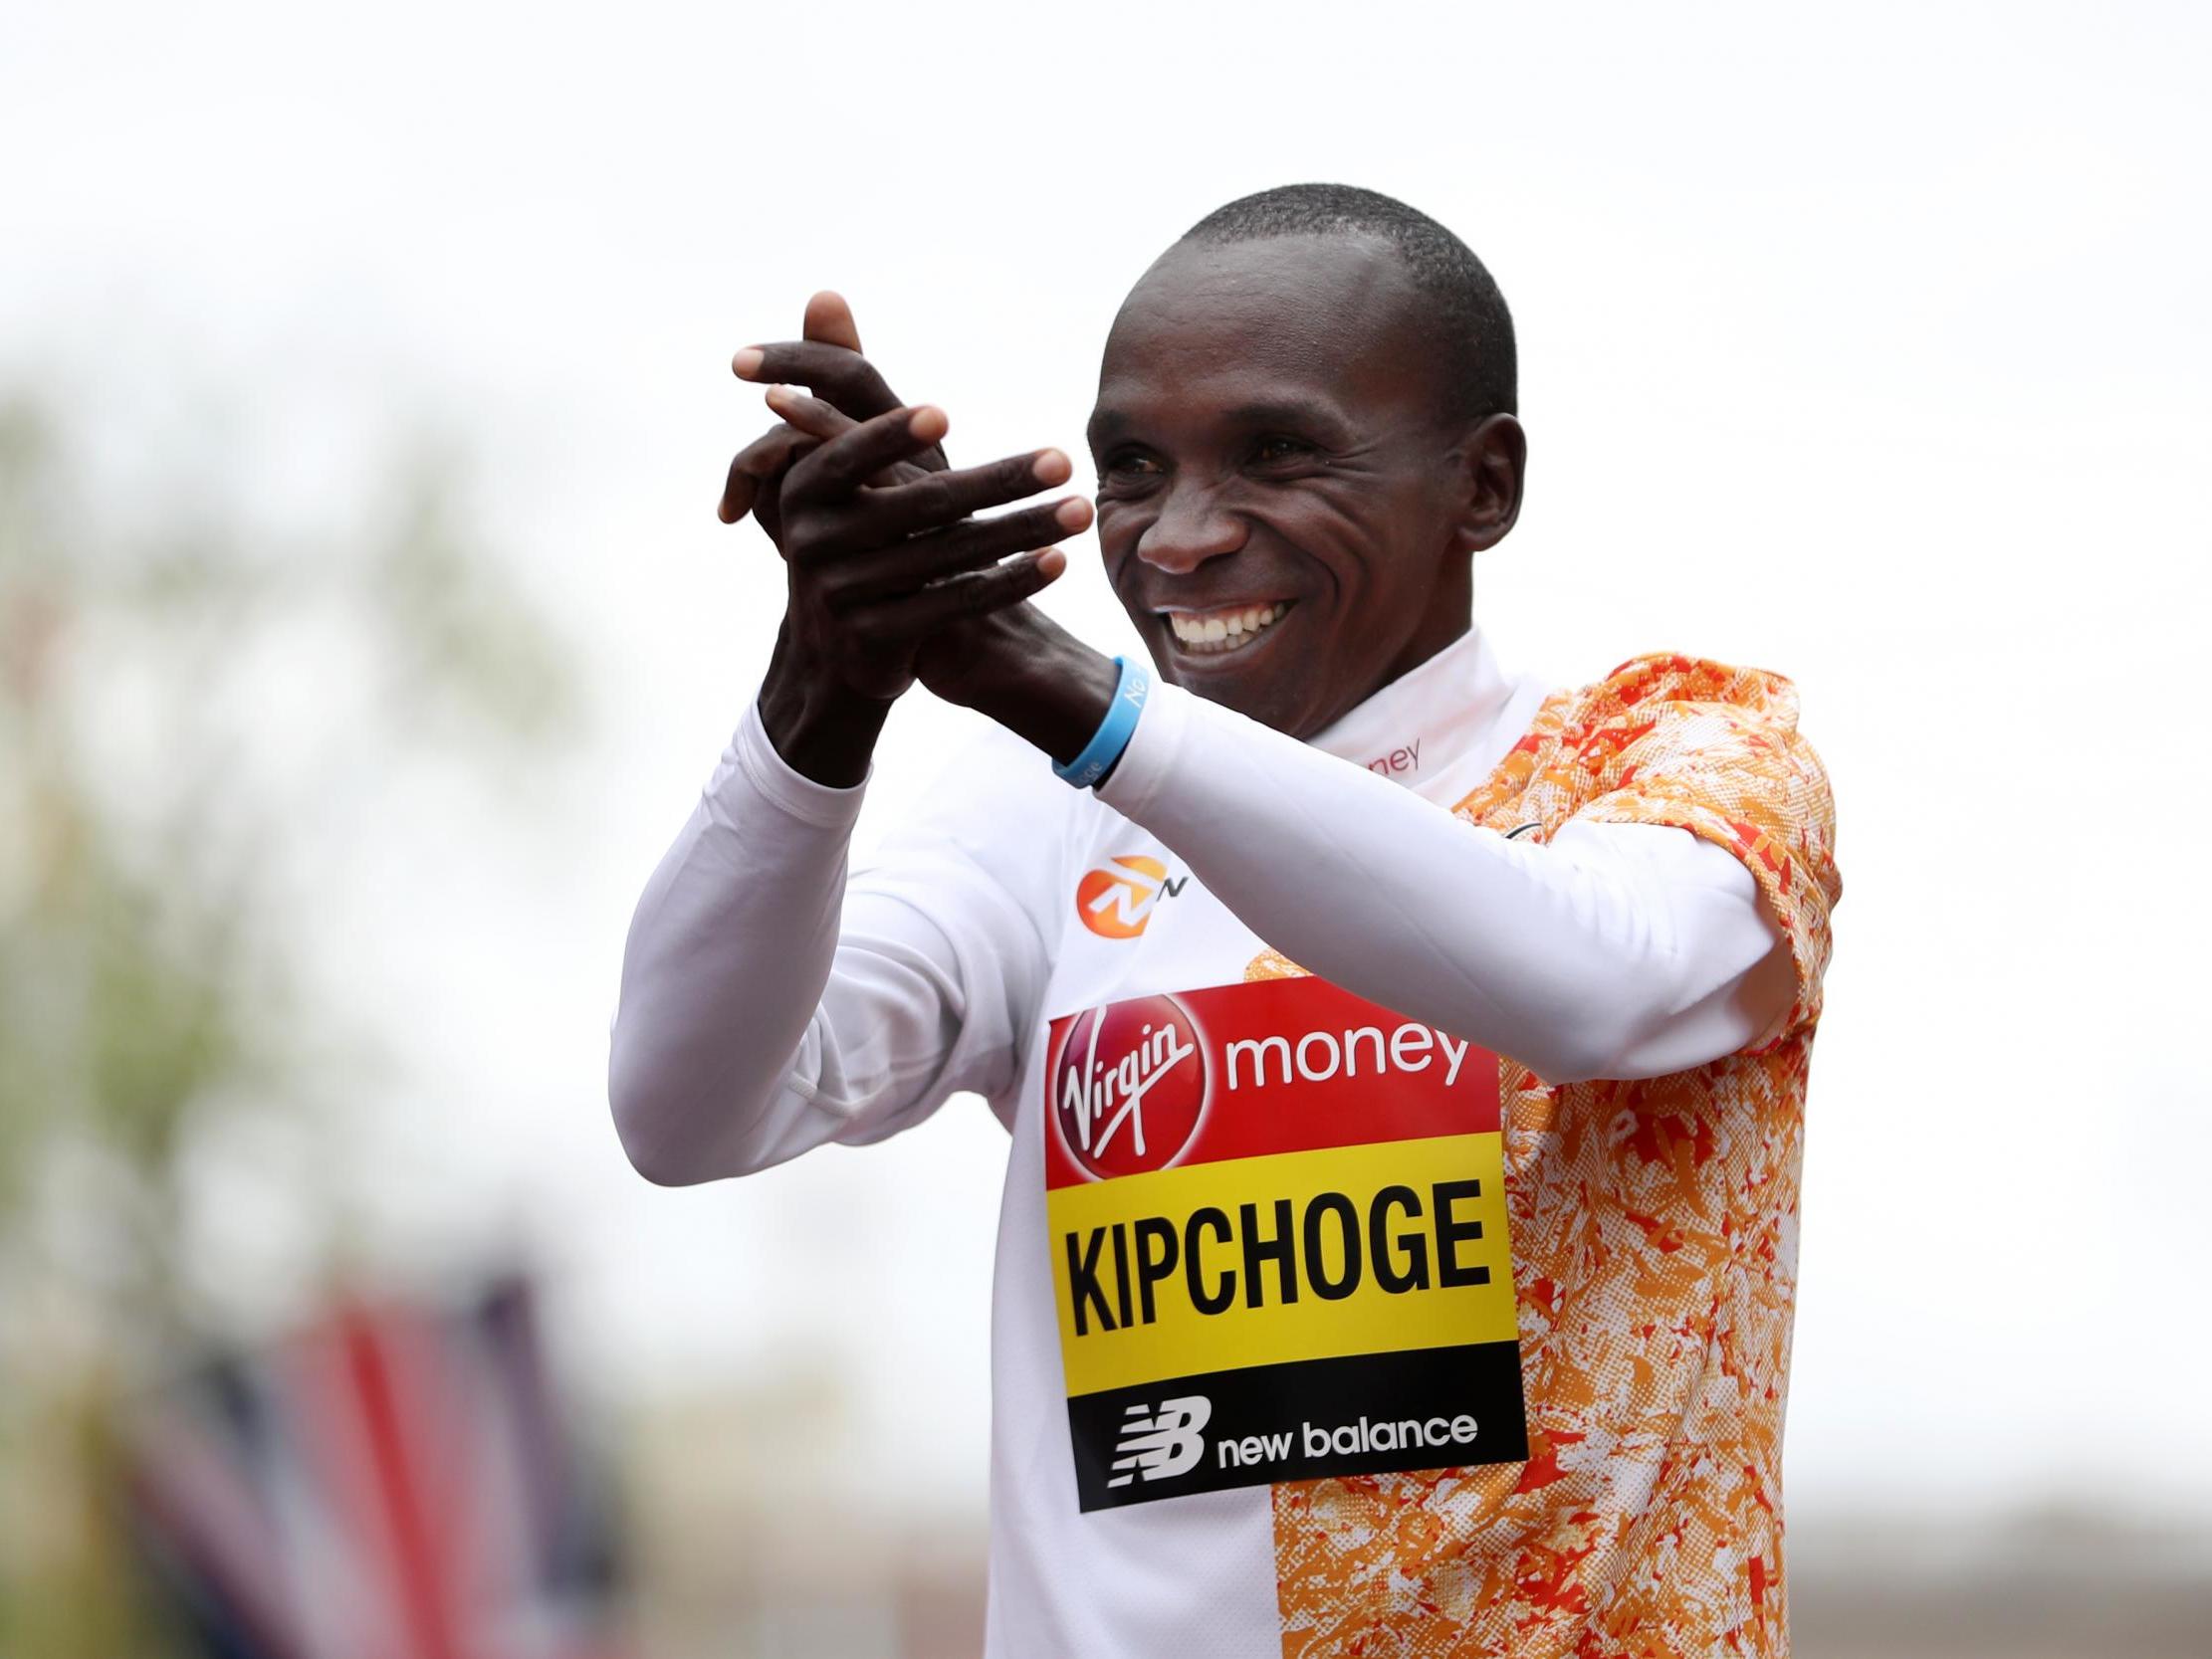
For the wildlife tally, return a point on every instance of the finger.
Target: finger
(840, 466)
(946, 498)
(768, 455)
(829, 320)
(844, 377)
(912, 565)
(976, 593)
(810, 414)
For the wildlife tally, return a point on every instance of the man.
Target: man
(1404, 1062)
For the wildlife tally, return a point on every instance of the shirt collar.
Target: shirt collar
(1429, 716)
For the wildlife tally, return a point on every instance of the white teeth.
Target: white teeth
(1227, 630)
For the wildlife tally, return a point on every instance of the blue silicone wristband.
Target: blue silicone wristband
(1114, 731)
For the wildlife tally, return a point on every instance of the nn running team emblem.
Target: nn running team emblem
(1116, 899)
(1276, 1214)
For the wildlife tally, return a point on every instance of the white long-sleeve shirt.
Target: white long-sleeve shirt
(772, 1002)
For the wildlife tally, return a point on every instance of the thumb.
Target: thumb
(830, 319)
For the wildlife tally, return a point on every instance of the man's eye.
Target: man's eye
(1130, 464)
(1273, 451)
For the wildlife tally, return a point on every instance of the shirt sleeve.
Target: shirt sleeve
(1616, 949)
(770, 1002)
(1744, 782)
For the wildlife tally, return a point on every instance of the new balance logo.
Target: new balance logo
(1162, 1445)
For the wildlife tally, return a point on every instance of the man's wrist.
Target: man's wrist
(1100, 755)
(820, 727)
(1054, 692)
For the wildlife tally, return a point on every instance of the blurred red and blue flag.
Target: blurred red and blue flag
(394, 1482)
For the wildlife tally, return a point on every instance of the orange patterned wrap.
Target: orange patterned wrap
(1655, 1241)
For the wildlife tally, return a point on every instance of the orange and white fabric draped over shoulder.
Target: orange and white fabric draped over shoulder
(1655, 1239)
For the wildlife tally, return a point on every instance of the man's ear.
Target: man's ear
(1495, 460)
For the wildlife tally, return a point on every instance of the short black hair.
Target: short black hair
(1475, 329)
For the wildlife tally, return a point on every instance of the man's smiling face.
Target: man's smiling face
(1285, 511)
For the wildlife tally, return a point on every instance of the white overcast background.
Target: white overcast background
(1868, 343)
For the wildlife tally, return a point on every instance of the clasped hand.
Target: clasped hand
(890, 577)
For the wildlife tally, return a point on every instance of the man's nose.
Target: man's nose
(1192, 528)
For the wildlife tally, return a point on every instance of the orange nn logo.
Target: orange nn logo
(1117, 903)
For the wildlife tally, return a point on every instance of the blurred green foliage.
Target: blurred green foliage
(147, 945)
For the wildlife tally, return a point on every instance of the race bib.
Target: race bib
(1276, 1215)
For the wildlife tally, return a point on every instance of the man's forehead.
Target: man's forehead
(1267, 293)
(1234, 397)
(1263, 320)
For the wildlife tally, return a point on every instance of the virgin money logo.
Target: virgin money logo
(1117, 903)
(1129, 1086)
